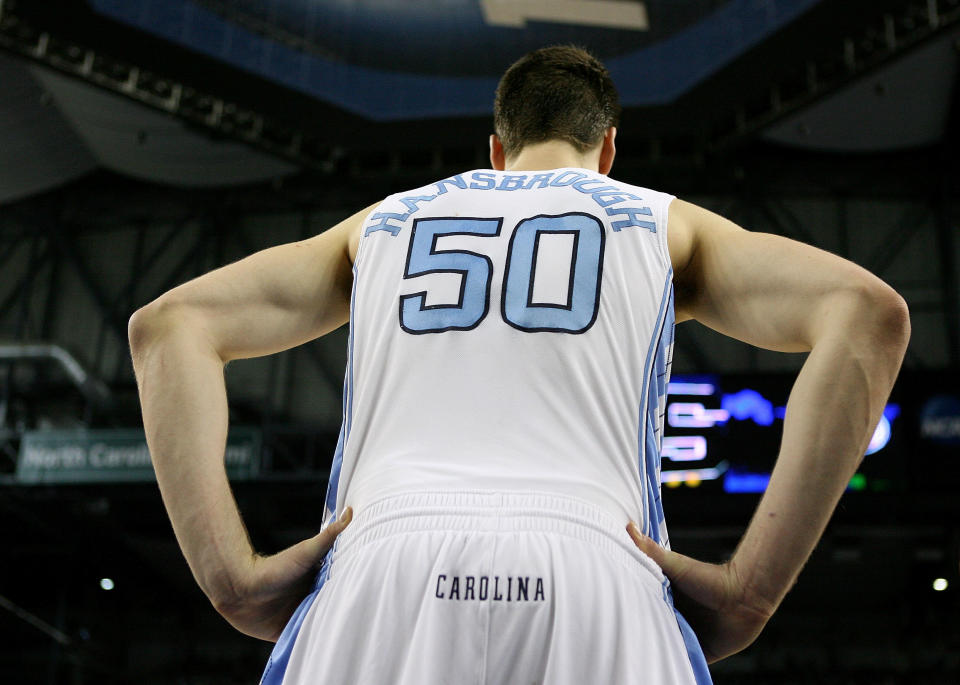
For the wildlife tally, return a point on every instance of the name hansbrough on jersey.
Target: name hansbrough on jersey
(510, 331)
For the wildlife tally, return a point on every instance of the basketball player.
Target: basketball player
(511, 333)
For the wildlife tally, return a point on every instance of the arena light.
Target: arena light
(940, 584)
(689, 475)
(106, 584)
(612, 14)
(690, 388)
(883, 432)
(684, 448)
(748, 404)
(695, 415)
(745, 482)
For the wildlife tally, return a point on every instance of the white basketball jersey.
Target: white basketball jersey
(510, 331)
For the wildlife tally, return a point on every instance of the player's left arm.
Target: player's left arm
(180, 343)
(783, 295)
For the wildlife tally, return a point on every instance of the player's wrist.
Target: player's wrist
(756, 601)
(231, 585)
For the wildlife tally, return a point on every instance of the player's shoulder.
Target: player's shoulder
(396, 210)
(647, 193)
(414, 198)
(692, 228)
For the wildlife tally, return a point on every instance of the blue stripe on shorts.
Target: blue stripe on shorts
(280, 656)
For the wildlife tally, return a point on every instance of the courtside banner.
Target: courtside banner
(115, 456)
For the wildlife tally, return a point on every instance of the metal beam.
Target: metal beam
(65, 245)
(70, 252)
(11, 249)
(892, 244)
(881, 38)
(22, 286)
(796, 230)
(23, 320)
(35, 621)
(53, 298)
(86, 382)
(19, 34)
(189, 258)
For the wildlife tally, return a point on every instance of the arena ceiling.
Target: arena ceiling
(205, 93)
(226, 92)
(398, 61)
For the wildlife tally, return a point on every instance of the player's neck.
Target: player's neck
(552, 154)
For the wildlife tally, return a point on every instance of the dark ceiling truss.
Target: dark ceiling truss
(710, 120)
(217, 115)
(919, 218)
(50, 237)
(262, 27)
(29, 306)
(914, 219)
(46, 241)
(889, 31)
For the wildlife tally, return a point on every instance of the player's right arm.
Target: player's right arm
(783, 295)
(270, 301)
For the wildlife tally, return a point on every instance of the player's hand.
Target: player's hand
(262, 602)
(712, 597)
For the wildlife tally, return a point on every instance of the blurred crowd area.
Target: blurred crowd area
(923, 650)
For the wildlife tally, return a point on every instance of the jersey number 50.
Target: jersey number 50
(517, 304)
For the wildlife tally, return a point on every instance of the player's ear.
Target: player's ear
(497, 160)
(608, 150)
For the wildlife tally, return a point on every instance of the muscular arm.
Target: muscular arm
(782, 295)
(270, 301)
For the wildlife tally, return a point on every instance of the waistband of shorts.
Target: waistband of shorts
(485, 511)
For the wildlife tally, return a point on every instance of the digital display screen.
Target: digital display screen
(722, 433)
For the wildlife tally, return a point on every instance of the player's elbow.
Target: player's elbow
(141, 328)
(897, 318)
(872, 312)
(225, 600)
(148, 324)
(888, 316)
(160, 320)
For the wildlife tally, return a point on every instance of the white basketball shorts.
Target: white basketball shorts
(475, 588)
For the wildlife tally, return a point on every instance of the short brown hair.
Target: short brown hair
(560, 92)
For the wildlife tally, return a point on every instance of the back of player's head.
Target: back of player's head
(556, 93)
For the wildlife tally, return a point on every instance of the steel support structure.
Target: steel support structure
(886, 31)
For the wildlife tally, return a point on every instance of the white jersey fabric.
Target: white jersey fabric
(510, 333)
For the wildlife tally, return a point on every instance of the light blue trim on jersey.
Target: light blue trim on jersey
(280, 656)
(333, 484)
(657, 388)
(647, 447)
(330, 501)
(698, 661)
(350, 339)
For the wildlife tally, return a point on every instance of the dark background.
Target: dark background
(142, 144)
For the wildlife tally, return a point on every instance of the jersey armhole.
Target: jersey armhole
(358, 257)
(663, 222)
